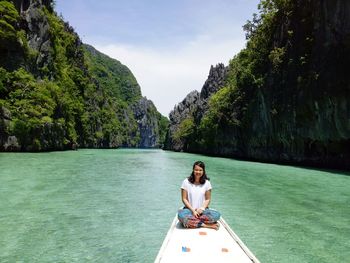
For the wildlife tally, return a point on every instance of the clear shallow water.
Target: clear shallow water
(117, 205)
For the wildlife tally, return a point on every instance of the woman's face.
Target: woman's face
(198, 171)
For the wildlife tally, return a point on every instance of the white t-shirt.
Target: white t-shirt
(196, 193)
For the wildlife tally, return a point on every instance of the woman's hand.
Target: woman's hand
(196, 213)
(200, 210)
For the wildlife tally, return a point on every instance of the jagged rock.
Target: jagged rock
(181, 111)
(215, 81)
(38, 35)
(194, 106)
(184, 108)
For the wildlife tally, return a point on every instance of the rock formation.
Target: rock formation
(289, 101)
(194, 106)
(147, 120)
(57, 93)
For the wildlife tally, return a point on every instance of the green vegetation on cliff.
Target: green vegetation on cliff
(112, 76)
(56, 93)
(285, 96)
(9, 19)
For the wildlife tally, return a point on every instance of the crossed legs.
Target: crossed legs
(208, 218)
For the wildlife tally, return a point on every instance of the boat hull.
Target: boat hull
(203, 245)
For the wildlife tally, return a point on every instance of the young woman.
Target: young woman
(196, 194)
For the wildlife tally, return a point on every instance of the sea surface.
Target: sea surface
(117, 206)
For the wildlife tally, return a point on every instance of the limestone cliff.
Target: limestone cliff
(148, 121)
(301, 114)
(190, 111)
(58, 94)
(286, 97)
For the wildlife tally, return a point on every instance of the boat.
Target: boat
(203, 245)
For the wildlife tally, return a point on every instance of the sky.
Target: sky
(168, 45)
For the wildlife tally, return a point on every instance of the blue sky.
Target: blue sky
(168, 45)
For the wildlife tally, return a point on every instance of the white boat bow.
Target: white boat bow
(203, 245)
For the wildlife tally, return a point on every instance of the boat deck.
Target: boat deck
(203, 245)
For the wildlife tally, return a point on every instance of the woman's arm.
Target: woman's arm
(185, 199)
(187, 203)
(206, 201)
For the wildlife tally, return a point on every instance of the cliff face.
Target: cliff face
(286, 98)
(190, 111)
(301, 114)
(147, 119)
(141, 121)
(182, 112)
(57, 94)
(33, 26)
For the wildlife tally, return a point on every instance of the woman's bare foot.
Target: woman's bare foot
(215, 226)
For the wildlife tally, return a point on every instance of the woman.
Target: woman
(196, 194)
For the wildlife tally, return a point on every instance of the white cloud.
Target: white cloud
(167, 76)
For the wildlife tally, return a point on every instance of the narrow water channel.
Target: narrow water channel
(117, 205)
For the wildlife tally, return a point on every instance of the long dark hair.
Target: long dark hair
(203, 177)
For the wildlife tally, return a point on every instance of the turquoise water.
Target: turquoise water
(117, 205)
